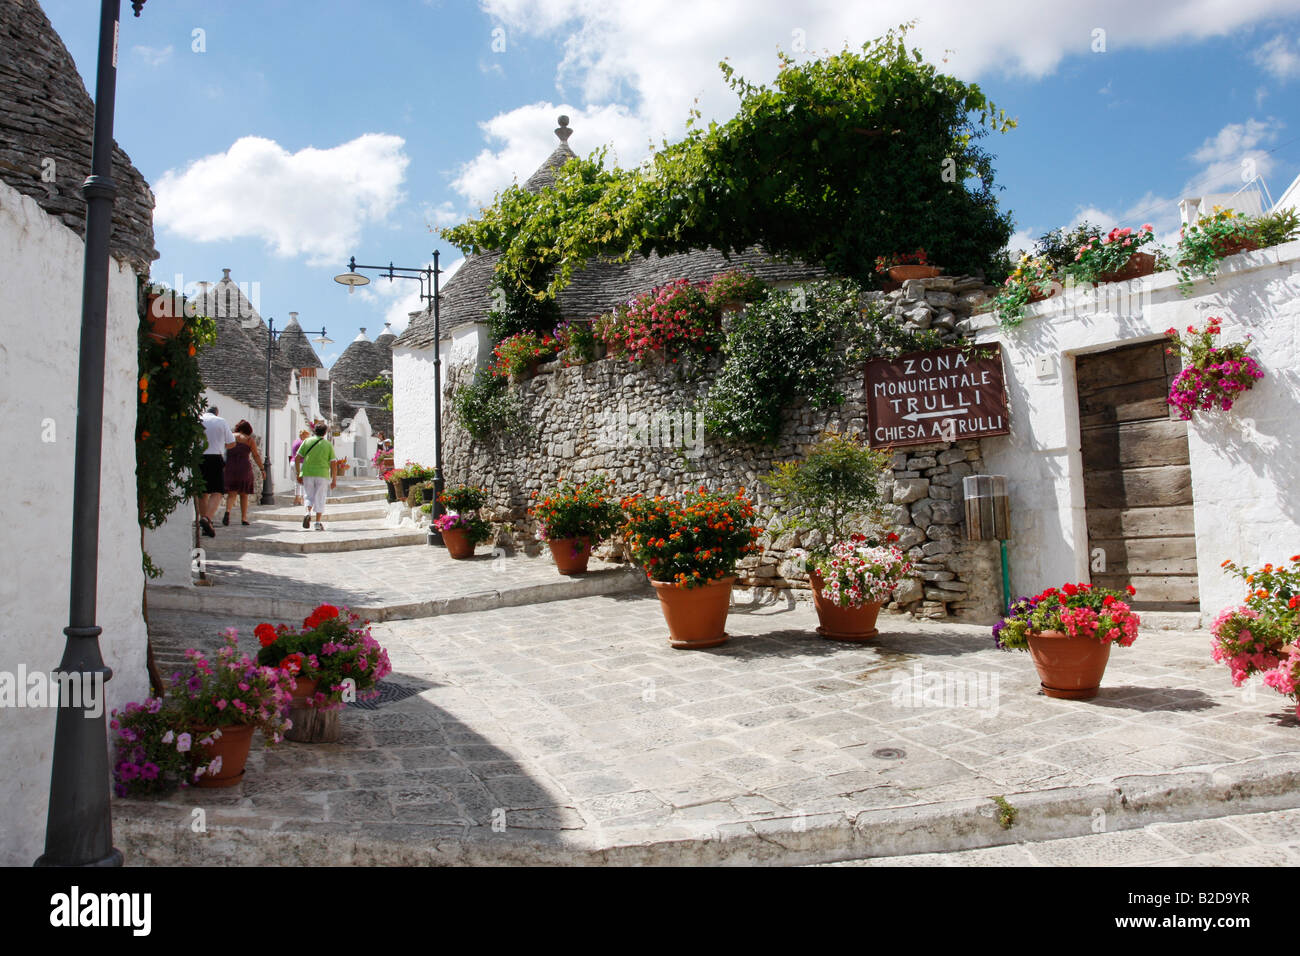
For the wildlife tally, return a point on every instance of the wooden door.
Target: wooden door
(1136, 477)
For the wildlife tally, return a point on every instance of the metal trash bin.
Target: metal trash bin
(988, 518)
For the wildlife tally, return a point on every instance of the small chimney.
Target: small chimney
(225, 277)
(563, 131)
(293, 316)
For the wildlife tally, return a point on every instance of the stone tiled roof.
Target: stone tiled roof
(236, 367)
(295, 349)
(362, 361)
(599, 286)
(47, 115)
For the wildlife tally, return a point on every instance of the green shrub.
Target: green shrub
(485, 407)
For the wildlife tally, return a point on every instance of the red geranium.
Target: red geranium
(292, 664)
(265, 634)
(323, 613)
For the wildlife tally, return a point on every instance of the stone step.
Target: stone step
(352, 511)
(283, 537)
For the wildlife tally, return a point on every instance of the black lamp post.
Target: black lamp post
(268, 494)
(79, 825)
(428, 279)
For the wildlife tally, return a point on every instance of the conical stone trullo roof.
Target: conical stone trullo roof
(362, 361)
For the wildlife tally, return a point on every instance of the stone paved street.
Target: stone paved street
(1249, 839)
(571, 732)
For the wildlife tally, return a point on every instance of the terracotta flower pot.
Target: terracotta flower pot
(696, 617)
(571, 554)
(1069, 668)
(458, 543)
(160, 314)
(1139, 264)
(1230, 247)
(1037, 295)
(889, 285)
(903, 273)
(232, 747)
(843, 623)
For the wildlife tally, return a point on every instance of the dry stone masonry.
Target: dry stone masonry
(643, 427)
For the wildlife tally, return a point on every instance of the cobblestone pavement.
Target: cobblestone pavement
(1247, 839)
(572, 732)
(390, 577)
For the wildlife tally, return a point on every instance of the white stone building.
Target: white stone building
(46, 118)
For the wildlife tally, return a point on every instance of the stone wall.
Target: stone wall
(641, 427)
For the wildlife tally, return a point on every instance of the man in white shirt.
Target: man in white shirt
(220, 437)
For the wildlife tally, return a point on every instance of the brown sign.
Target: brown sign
(945, 395)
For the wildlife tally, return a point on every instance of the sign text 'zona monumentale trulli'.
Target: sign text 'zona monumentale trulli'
(945, 395)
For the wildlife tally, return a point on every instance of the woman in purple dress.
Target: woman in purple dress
(239, 471)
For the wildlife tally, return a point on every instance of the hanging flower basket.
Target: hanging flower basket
(1139, 264)
(160, 313)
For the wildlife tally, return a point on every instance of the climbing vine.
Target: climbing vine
(798, 343)
(839, 161)
(169, 438)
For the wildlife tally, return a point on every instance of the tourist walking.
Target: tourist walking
(220, 438)
(302, 437)
(315, 460)
(238, 475)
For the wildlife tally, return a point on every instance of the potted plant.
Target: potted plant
(573, 517)
(852, 582)
(689, 549)
(221, 703)
(666, 325)
(1033, 279)
(462, 528)
(576, 342)
(902, 266)
(390, 480)
(1261, 636)
(333, 659)
(1213, 375)
(518, 356)
(164, 311)
(732, 291)
(1224, 233)
(835, 491)
(462, 533)
(1069, 631)
(1116, 256)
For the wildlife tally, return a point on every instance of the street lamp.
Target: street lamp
(79, 823)
(428, 279)
(268, 495)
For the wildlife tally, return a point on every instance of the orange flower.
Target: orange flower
(192, 350)
(144, 382)
(1261, 593)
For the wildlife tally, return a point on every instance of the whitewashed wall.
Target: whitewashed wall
(1245, 463)
(41, 264)
(414, 424)
(286, 422)
(171, 547)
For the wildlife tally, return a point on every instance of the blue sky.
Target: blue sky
(287, 136)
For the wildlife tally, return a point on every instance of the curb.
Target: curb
(253, 604)
(1126, 803)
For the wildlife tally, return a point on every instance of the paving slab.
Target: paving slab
(571, 733)
(400, 581)
(341, 532)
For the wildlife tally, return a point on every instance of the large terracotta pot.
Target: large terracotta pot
(843, 623)
(1038, 295)
(1068, 667)
(571, 554)
(160, 314)
(903, 273)
(458, 543)
(1139, 264)
(306, 689)
(697, 617)
(232, 747)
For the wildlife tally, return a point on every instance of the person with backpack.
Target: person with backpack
(315, 461)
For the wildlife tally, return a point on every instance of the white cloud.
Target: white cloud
(152, 55)
(311, 203)
(1235, 139)
(1280, 56)
(661, 56)
(526, 133)
(443, 214)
